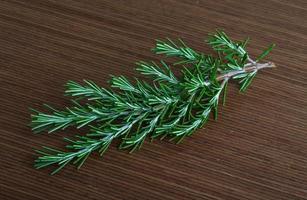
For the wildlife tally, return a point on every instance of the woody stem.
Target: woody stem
(249, 67)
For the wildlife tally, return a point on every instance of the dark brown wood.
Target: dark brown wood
(256, 150)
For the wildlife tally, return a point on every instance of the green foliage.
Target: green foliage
(246, 81)
(153, 70)
(89, 90)
(170, 107)
(171, 49)
(265, 52)
(233, 52)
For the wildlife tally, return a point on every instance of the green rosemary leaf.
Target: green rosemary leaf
(225, 93)
(215, 112)
(265, 52)
(245, 42)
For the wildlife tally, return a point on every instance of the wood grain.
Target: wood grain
(256, 150)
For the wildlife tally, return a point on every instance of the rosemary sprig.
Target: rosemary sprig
(171, 107)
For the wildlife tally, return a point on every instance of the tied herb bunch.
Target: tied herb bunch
(169, 107)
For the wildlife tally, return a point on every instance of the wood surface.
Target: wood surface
(256, 150)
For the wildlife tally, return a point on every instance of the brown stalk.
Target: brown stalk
(249, 67)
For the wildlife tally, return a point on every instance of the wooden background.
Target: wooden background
(256, 150)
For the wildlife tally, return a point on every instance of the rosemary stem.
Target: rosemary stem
(247, 68)
(251, 61)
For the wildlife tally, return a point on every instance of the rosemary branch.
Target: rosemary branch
(170, 107)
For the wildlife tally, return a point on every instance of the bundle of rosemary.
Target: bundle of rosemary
(169, 107)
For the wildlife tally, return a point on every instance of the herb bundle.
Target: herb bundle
(169, 107)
